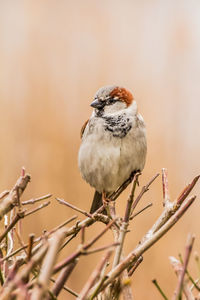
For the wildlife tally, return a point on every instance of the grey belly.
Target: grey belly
(99, 165)
(104, 166)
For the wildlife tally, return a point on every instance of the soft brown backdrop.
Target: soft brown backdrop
(54, 55)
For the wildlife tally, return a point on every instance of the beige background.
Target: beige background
(54, 55)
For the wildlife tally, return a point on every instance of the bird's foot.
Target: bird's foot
(136, 174)
(109, 205)
(105, 199)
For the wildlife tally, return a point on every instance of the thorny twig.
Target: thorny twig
(34, 200)
(18, 216)
(11, 199)
(177, 292)
(171, 207)
(30, 246)
(178, 268)
(188, 274)
(146, 244)
(64, 287)
(143, 191)
(81, 249)
(140, 211)
(62, 278)
(41, 254)
(135, 266)
(94, 276)
(7, 257)
(125, 223)
(166, 197)
(28, 213)
(61, 201)
(23, 273)
(40, 289)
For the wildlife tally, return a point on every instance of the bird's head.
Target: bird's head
(110, 99)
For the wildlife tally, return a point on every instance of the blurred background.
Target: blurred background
(54, 55)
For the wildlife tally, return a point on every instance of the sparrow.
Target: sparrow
(113, 142)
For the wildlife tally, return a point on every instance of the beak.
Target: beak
(98, 104)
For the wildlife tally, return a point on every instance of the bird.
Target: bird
(113, 142)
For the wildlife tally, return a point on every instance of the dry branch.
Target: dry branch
(82, 249)
(35, 200)
(177, 292)
(62, 278)
(29, 276)
(146, 243)
(18, 216)
(166, 197)
(41, 287)
(21, 275)
(61, 201)
(96, 274)
(171, 207)
(12, 199)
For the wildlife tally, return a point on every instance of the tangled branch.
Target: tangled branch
(30, 275)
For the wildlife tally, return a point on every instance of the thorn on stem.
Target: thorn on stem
(23, 171)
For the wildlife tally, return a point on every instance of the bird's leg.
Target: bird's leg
(124, 185)
(133, 174)
(105, 202)
(109, 205)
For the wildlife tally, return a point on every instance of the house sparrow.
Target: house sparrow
(113, 142)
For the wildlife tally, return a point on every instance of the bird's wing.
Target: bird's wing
(83, 128)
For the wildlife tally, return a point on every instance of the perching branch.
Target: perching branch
(29, 275)
(82, 249)
(146, 243)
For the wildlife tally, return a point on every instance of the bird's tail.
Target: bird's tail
(97, 202)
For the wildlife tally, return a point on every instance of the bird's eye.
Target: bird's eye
(111, 101)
